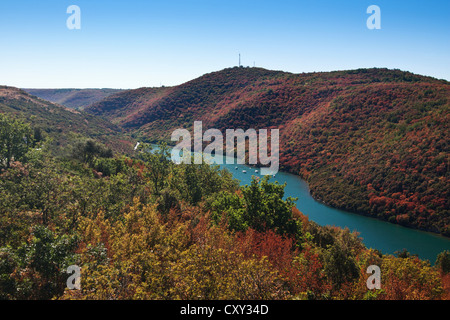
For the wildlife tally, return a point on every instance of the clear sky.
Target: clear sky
(136, 43)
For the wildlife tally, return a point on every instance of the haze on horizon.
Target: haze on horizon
(131, 44)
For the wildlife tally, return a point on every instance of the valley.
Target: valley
(370, 141)
(373, 142)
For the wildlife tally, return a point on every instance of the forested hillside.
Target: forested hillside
(60, 124)
(142, 227)
(372, 141)
(73, 192)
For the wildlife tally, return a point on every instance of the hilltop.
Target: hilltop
(372, 141)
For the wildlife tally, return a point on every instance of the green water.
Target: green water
(377, 234)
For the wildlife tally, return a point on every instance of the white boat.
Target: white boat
(243, 171)
(256, 171)
(236, 168)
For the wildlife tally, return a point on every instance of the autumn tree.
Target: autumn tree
(443, 261)
(39, 266)
(410, 279)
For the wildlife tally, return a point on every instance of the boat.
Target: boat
(243, 171)
(236, 168)
(256, 171)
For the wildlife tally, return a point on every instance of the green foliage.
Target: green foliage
(109, 166)
(146, 228)
(340, 264)
(37, 270)
(15, 140)
(443, 261)
(88, 151)
(8, 264)
(59, 124)
(261, 208)
(157, 164)
(197, 182)
(404, 254)
(266, 209)
(168, 199)
(371, 141)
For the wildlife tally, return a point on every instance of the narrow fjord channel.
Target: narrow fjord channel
(384, 236)
(377, 234)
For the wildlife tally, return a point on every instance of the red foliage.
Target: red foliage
(345, 131)
(446, 286)
(310, 276)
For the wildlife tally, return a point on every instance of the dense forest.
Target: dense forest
(141, 227)
(74, 192)
(371, 141)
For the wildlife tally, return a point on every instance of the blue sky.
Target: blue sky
(134, 43)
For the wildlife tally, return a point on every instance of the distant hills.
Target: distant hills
(61, 123)
(372, 141)
(72, 98)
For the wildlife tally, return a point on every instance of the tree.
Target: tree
(266, 209)
(443, 261)
(37, 136)
(40, 265)
(8, 264)
(15, 140)
(88, 150)
(410, 279)
(340, 265)
(261, 208)
(158, 164)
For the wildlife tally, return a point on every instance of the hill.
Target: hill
(145, 228)
(72, 98)
(372, 141)
(60, 123)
